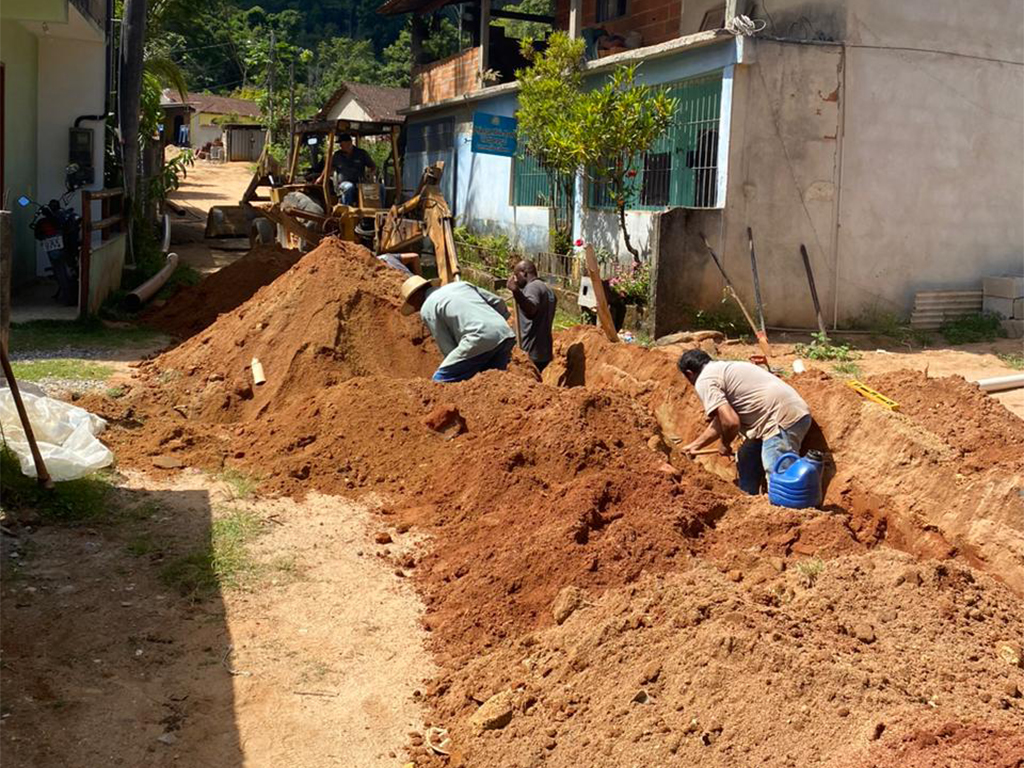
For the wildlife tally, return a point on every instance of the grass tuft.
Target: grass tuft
(73, 501)
(972, 329)
(89, 334)
(225, 563)
(1015, 361)
(61, 368)
(242, 485)
(847, 369)
(810, 570)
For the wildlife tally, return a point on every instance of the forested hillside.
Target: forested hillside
(242, 47)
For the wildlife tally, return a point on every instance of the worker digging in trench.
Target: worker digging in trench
(535, 302)
(743, 398)
(469, 324)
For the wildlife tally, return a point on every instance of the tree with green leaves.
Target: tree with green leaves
(600, 133)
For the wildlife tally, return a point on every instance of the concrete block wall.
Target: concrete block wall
(1004, 295)
(446, 78)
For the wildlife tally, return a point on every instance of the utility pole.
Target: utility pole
(129, 92)
(291, 112)
(270, 86)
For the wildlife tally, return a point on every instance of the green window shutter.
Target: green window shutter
(531, 183)
(681, 168)
(694, 142)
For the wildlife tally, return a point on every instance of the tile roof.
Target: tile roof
(381, 103)
(213, 104)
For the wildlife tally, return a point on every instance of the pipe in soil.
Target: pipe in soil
(133, 301)
(166, 245)
(1001, 383)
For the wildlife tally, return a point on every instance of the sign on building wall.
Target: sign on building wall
(494, 134)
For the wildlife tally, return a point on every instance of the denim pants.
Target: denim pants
(347, 193)
(756, 458)
(495, 360)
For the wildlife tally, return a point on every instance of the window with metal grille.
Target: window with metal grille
(532, 184)
(681, 169)
(610, 9)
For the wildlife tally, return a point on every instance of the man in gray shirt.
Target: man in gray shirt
(742, 398)
(469, 324)
(536, 304)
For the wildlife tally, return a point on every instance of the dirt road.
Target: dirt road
(206, 185)
(120, 648)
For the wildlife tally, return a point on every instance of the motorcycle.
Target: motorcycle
(59, 228)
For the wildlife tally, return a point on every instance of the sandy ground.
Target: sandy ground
(310, 659)
(207, 184)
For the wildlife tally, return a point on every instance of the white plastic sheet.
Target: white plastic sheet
(65, 433)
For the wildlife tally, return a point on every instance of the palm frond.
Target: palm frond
(168, 73)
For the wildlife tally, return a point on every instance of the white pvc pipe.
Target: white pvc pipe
(133, 301)
(166, 245)
(1001, 383)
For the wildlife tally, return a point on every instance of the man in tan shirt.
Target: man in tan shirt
(742, 398)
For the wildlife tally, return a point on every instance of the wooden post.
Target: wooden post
(604, 314)
(575, 18)
(42, 475)
(327, 171)
(6, 267)
(485, 38)
(85, 260)
(398, 165)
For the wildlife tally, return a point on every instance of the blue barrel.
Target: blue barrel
(796, 481)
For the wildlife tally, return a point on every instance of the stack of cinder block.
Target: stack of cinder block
(1004, 295)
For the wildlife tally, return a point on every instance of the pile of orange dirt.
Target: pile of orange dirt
(333, 316)
(543, 499)
(847, 663)
(194, 308)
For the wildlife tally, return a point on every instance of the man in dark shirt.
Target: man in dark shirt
(349, 166)
(536, 304)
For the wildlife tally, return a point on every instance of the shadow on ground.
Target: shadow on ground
(115, 645)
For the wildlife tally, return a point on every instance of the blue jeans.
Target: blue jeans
(495, 360)
(756, 458)
(347, 193)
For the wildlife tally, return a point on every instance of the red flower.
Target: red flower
(579, 243)
(631, 173)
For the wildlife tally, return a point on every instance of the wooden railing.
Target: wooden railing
(111, 222)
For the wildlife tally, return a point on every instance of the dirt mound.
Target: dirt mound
(194, 308)
(806, 667)
(333, 316)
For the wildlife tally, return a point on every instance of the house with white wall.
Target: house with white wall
(887, 138)
(358, 101)
(55, 77)
(205, 114)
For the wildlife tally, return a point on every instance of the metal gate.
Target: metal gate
(245, 143)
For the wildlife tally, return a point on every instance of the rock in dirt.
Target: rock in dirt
(568, 600)
(864, 632)
(383, 537)
(494, 713)
(168, 738)
(445, 419)
(167, 462)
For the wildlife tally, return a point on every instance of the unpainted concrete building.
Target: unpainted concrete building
(888, 138)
